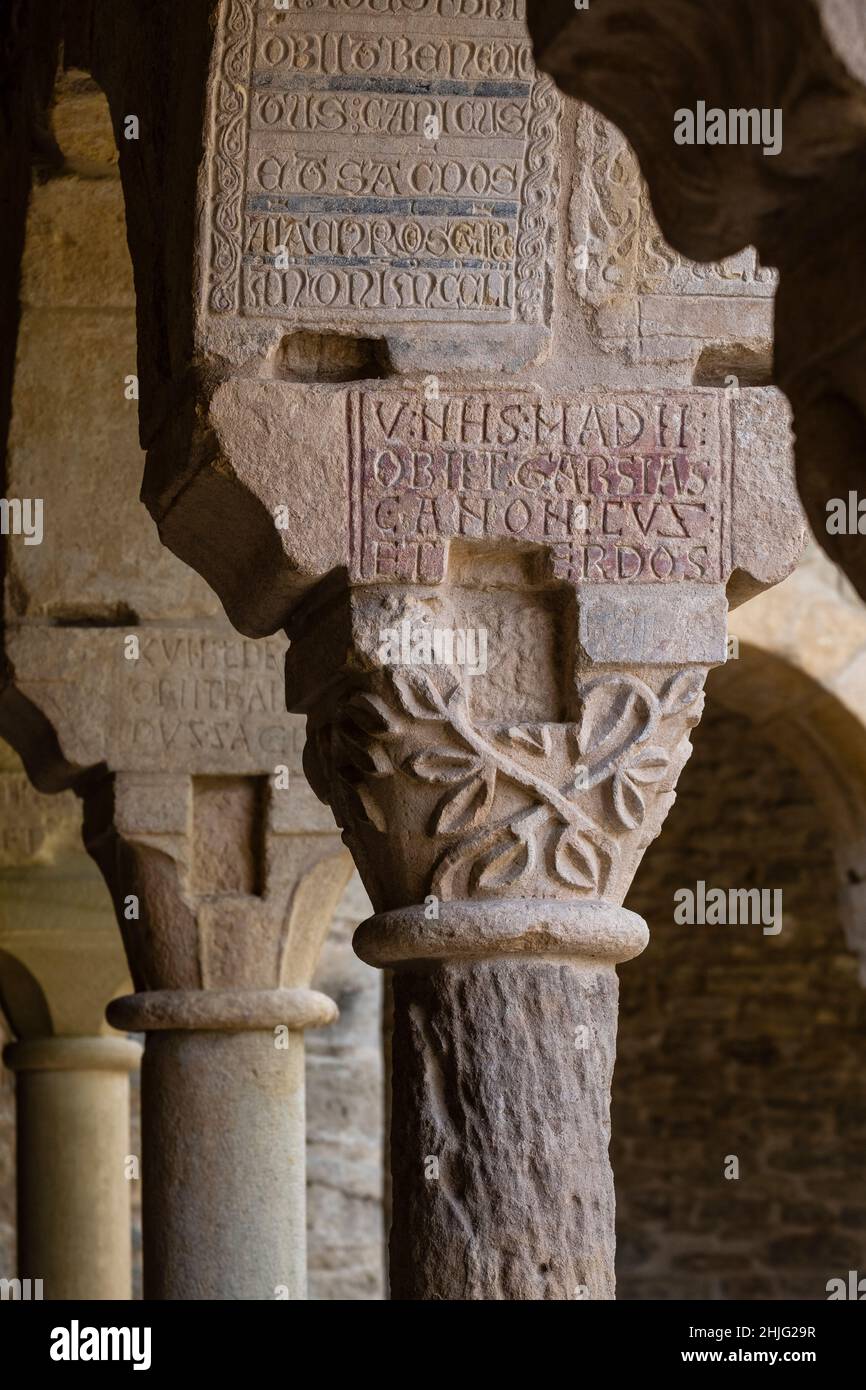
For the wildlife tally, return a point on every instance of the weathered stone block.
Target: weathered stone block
(370, 176)
(197, 700)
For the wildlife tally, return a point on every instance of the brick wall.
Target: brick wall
(736, 1043)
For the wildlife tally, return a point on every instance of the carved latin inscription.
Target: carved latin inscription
(192, 699)
(626, 488)
(381, 160)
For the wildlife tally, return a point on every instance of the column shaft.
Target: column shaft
(504, 1041)
(223, 1138)
(500, 1130)
(74, 1223)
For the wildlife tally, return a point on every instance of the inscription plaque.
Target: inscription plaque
(625, 488)
(381, 160)
(194, 699)
(200, 700)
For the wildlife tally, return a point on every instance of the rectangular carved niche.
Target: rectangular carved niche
(381, 161)
(622, 488)
(228, 834)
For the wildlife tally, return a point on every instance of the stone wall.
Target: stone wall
(736, 1043)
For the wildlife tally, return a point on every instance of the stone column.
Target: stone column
(224, 871)
(60, 964)
(497, 851)
(72, 1115)
(503, 1051)
(224, 893)
(514, 476)
(223, 1136)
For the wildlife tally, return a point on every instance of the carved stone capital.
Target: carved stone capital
(445, 788)
(224, 889)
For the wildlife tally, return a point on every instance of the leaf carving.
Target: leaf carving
(364, 754)
(467, 808)
(373, 813)
(615, 715)
(628, 801)
(576, 859)
(442, 764)
(534, 737)
(505, 863)
(419, 695)
(371, 714)
(649, 766)
(683, 693)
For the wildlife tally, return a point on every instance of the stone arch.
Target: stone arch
(801, 678)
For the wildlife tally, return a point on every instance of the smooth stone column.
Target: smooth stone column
(504, 1040)
(223, 1140)
(74, 1222)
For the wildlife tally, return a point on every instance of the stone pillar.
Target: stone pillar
(497, 850)
(503, 1053)
(72, 1114)
(223, 1134)
(60, 964)
(514, 475)
(224, 902)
